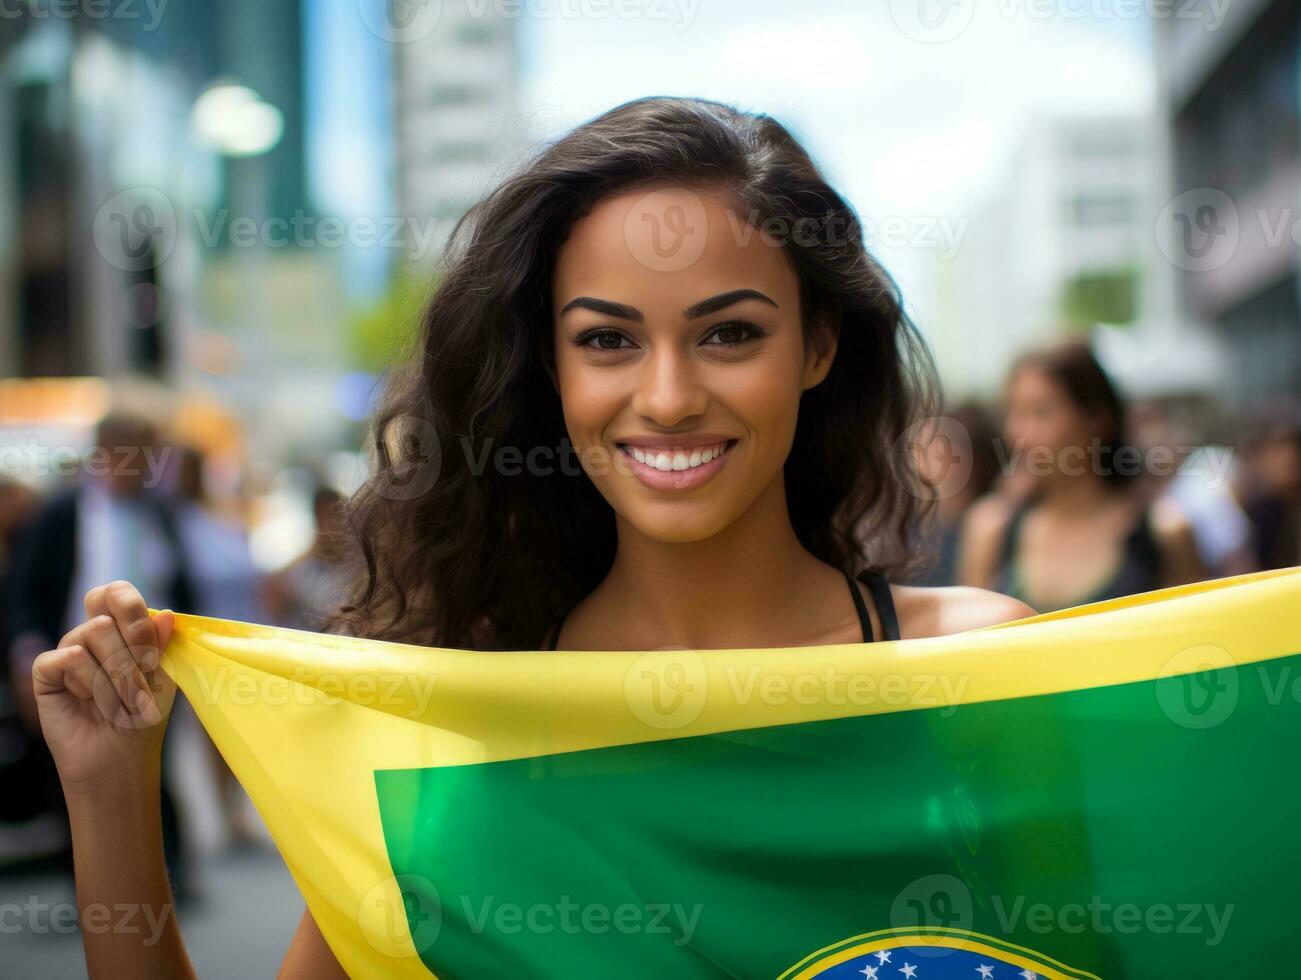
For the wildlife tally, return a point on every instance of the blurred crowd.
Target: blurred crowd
(1067, 494)
(1062, 494)
(138, 509)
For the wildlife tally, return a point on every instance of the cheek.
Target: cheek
(1024, 425)
(589, 399)
(767, 396)
(764, 395)
(1073, 429)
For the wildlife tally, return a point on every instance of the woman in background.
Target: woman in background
(960, 460)
(1084, 533)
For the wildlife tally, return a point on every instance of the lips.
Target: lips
(683, 464)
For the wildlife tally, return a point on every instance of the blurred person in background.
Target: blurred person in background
(27, 830)
(18, 505)
(304, 593)
(1200, 480)
(1270, 487)
(961, 461)
(114, 524)
(1084, 533)
(228, 585)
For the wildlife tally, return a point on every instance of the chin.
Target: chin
(676, 524)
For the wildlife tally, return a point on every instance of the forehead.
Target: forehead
(664, 248)
(1031, 379)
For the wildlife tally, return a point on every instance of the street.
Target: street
(239, 929)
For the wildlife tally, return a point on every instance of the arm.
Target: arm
(309, 956)
(1180, 559)
(103, 702)
(930, 611)
(981, 540)
(118, 858)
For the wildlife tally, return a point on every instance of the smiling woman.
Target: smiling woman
(673, 292)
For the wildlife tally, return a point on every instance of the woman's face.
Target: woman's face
(680, 358)
(1042, 421)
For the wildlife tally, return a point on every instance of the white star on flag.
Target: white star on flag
(985, 971)
(1028, 975)
(908, 970)
(882, 957)
(869, 972)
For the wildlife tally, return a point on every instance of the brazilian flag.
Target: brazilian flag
(1107, 791)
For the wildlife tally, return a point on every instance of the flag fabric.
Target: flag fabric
(1107, 791)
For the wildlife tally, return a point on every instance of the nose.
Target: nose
(668, 390)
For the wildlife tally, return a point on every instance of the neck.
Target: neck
(752, 579)
(1074, 493)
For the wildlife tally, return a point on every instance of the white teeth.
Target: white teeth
(678, 459)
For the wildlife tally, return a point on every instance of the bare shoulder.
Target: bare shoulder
(931, 611)
(989, 515)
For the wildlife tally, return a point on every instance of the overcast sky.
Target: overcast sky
(905, 119)
(908, 120)
(898, 121)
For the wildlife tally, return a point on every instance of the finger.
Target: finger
(164, 620)
(127, 607)
(105, 642)
(63, 669)
(75, 670)
(96, 601)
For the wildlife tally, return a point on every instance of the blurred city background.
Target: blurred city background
(223, 218)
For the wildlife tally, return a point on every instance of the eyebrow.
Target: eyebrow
(692, 312)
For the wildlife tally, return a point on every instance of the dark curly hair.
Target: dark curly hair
(453, 553)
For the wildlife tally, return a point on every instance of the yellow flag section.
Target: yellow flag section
(306, 720)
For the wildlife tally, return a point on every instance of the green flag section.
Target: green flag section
(1107, 791)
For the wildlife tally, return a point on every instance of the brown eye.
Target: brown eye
(606, 339)
(733, 333)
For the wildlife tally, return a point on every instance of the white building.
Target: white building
(1068, 234)
(1230, 97)
(456, 113)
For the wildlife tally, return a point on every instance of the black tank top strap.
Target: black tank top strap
(884, 600)
(864, 620)
(1012, 535)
